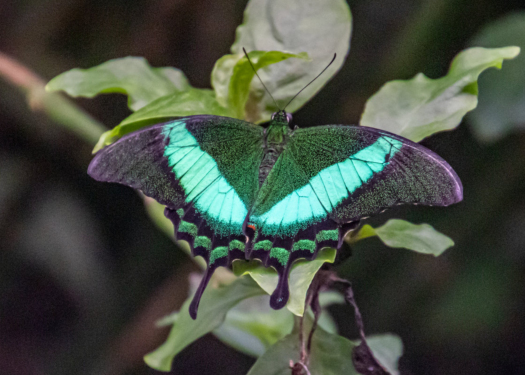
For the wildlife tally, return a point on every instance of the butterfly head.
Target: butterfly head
(282, 117)
(279, 127)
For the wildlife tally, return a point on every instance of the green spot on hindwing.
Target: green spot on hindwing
(282, 255)
(304, 245)
(236, 244)
(202, 241)
(188, 227)
(180, 212)
(327, 235)
(217, 253)
(263, 245)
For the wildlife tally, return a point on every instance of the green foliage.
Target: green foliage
(420, 107)
(329, 354)
(387, 349)
(289, 43)
(132, 76)
(215, 304)
(253, 326)
(318, 28)
(232, 86)
(400, 233)
(502, 96)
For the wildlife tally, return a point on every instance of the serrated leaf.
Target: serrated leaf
(132, 76)
(235, 90)
(214, 305)
(501, 108)
(420, 107)
(191, 102)
(422, 238)
(301, 275)
(318, 28)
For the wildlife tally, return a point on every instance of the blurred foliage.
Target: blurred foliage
(216, 302)
(502, 98)
(460, 313)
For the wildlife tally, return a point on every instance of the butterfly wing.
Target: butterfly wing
(328, 178)
(205, 170)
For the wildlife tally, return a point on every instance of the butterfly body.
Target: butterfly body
(275, 138)
(235, 190)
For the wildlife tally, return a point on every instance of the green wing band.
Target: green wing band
(203, 183)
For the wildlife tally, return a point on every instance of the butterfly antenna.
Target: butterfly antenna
(255, 71)
(330, 63)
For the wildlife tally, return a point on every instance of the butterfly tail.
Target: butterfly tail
(194, 306)
(281, 294)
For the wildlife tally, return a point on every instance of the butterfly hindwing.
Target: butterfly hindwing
(205, 170)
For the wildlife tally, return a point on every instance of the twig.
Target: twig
(363, 357)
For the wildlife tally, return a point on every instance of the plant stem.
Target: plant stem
(60, 109)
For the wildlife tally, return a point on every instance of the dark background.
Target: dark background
(84, 273)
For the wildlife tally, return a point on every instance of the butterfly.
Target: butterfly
(236, 190)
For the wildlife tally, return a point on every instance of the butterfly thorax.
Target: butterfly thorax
(276, 137)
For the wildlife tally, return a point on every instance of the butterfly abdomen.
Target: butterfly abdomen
(269, 159)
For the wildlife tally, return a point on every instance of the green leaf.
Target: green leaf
(501, 107)
(233, 89)
(132, 76)
(187, 103)
(402, 234)
(419, 107)
(301, 275)
(221, 75)
(253, 326)
(330, 355)
(319, 28)
(214, 305)
(387, 349)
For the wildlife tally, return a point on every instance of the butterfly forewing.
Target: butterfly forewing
(138, 161)
(205, 169)
(367, 177)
